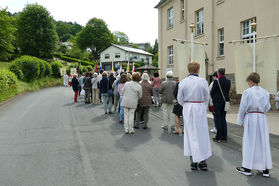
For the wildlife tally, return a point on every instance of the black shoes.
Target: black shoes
(244, 171)
(194, 166)
(266, 173)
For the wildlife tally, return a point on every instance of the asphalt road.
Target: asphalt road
(46, 139)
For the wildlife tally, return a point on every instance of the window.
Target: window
(247, 31)
(142, 59)
(170, 52)
(182, 9)
(199, 22)
(170, 17)
(117, 55)
(221, 41)
(107, 56)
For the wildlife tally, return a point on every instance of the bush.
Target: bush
(89, 68)
(83, 69)
(55, 66)
(15, 68)
(69, 59)
(30, 67)
(48, 71)
(8, 84)
(42, 68)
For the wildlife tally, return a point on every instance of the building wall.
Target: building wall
(228, 15)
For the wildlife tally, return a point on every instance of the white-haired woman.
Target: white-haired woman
(145, 101)
(166, 90)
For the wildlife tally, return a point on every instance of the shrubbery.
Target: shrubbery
(69, 59)
(55, 66)
(28, 68)
(8, 84)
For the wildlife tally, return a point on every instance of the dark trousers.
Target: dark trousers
(139, 111)
(79, 89)
(221, 123)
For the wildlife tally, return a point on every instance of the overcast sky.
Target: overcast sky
(137, 18)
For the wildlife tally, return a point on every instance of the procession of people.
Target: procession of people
(131, 95)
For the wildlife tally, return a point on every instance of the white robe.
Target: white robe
(196, 135)
(66, 77)
(256, 146)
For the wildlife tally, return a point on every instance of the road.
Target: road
(46, 139)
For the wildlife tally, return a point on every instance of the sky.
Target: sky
(137, 18)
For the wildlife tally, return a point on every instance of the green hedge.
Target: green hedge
(28, 68)
(70, 59)
(8, 84)
(55, 66)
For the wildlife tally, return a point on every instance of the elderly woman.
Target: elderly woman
(145, 101)
(132, 92)
(95, 92)
(105, 86)
(87, 87)
(156, 83)
(123, 79)
(167, 89)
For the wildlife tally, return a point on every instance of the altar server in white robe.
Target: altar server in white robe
(256, 146)
(193, 95)
(66, 78)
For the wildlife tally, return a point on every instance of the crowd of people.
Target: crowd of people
(186, 102)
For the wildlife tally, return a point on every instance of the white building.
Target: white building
(115, 54)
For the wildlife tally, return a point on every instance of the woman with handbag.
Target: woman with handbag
(220, 96)
(106, 93)
(210, 105)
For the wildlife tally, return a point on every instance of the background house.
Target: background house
(122, 54)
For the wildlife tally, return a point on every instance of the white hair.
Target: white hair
(169, 74)
(145, 77)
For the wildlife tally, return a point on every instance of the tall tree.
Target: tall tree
(96, 36)
(121, 38)
(6, 35)
(67, 29)
(36, 34)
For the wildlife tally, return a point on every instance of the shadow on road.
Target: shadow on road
(198, 178)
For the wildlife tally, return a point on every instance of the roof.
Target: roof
(134, 50)
(160, 3)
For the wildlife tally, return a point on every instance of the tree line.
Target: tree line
(33, 31)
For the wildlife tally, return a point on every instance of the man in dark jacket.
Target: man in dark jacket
(87, 87)
(219, 104)
(75, 87)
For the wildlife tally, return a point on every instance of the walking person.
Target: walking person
(115, 93)
(166, 90)
(145, 102)
(220, 94)
(75, 85)
(81, 83)
(66, 79)
(156, 83)
(95, 92)
(99, 77)
(123, 79)
(112, 79)
(210, 105)
(132, 92)
(177, 110)
(255, 102)
(105, 87)
(87, 87)
(193, 95)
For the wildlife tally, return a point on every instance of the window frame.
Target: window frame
(170, 55)
(247, 30)
(199, 22)
(107, 56)
(221, 42)
(170, 17)
(182, 10)
(117, 54)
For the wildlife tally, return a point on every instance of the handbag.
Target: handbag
(211, 108)
(227, 103)
(110, 91)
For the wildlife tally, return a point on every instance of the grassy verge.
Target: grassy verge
(33, 86)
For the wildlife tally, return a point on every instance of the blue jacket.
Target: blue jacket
(216, 93)
(104, 84)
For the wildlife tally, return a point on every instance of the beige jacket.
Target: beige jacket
(132, 92)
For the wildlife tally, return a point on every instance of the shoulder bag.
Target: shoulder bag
(227, 103)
